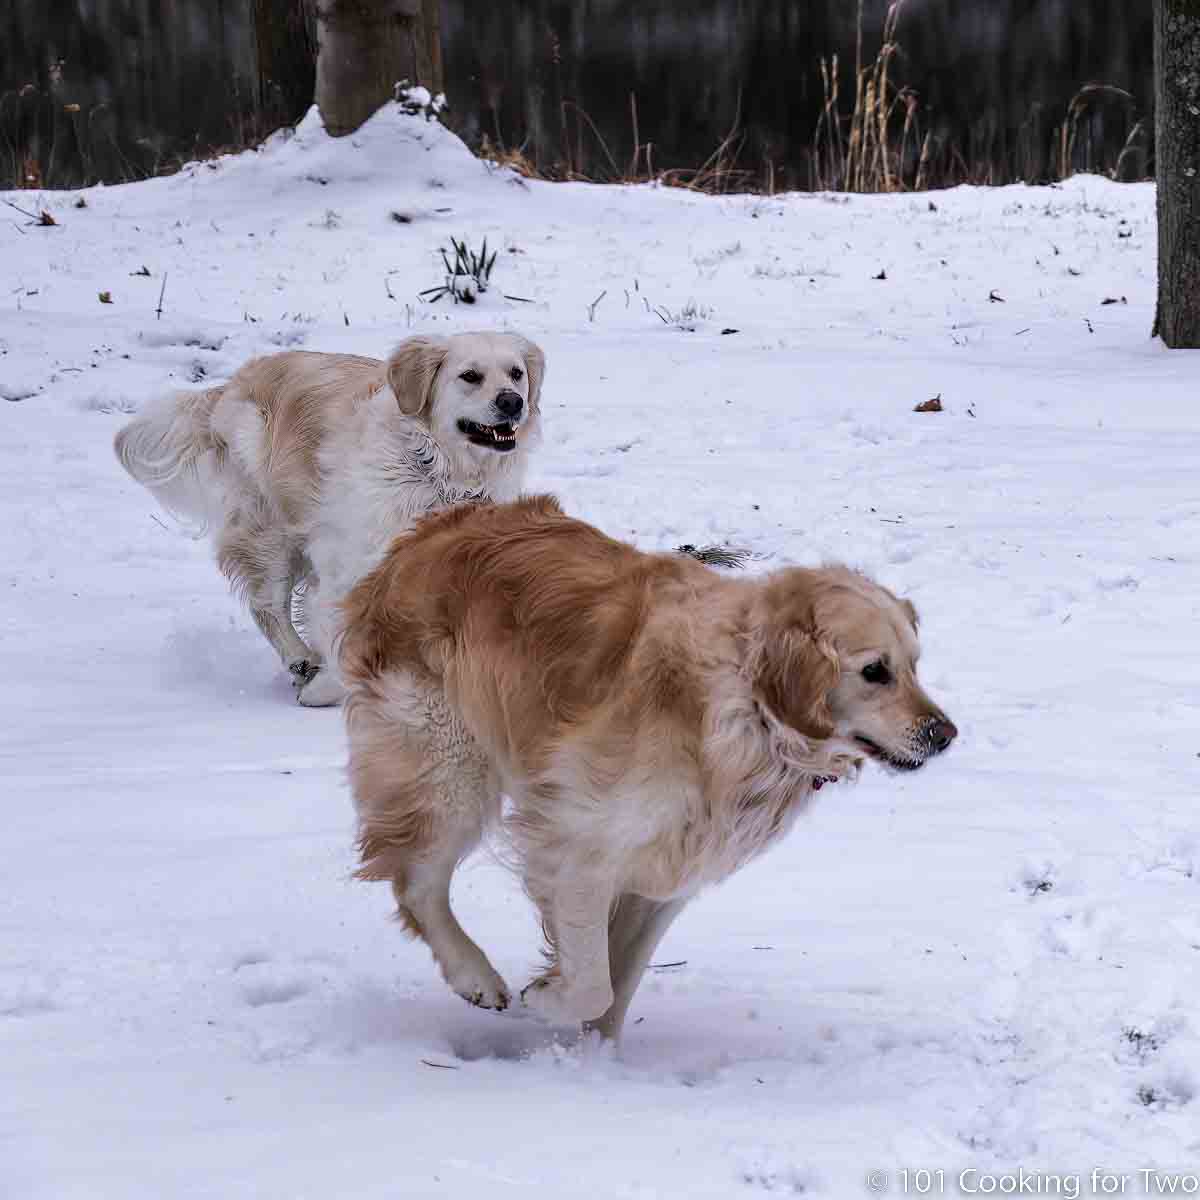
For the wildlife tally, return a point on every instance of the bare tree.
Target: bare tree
(365, 47)
(285, 60)
(1177, 149)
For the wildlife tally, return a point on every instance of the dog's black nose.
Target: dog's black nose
(509, 403)
(941, 734)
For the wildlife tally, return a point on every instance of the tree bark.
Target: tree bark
(365, 47)
(286, 75)
(1177, 150)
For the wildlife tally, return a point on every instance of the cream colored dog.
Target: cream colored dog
(655, 724)
(305, 466)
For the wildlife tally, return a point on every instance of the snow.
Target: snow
(991, 965)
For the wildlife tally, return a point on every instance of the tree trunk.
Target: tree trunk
(365, 47)
(286, 75)
(1177, 138)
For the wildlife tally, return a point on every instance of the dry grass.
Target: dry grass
(878, 145)
(718, 174)
(45, 143)
(865, 153)
(873, 134)
(515, 159)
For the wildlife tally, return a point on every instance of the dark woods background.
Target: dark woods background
(118, 89)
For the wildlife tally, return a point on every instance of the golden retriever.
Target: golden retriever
(654, 723)
(307, 465)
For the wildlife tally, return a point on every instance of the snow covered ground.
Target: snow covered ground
(990, 966)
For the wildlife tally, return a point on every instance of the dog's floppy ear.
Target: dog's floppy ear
(535, 368)
(797, 670)
(411, 372)
(794, 664)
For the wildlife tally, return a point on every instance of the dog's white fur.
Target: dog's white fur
(305, 466)
(655, 724)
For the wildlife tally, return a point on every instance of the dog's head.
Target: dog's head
(478, 392)
(837, 659)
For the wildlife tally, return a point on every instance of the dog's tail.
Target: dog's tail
(170, 449)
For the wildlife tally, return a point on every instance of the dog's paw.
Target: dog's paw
(323, 690)
(481, 987)
(551, 997)
(304, 670)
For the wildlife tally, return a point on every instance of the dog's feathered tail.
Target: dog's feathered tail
(170, 449)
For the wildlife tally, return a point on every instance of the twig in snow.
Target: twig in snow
(440, 1066)
(592, 306)
(666, 966)
(25, 212)
(161, 293)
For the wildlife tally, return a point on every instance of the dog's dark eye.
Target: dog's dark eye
(877, 672)
(517, 374)
(471, 377)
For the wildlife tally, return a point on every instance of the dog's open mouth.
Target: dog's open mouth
(887, 757)
(497, 437)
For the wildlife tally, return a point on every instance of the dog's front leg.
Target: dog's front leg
(636, 928)
(577, 987)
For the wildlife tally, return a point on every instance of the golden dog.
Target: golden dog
(655, 724)
(306, 465)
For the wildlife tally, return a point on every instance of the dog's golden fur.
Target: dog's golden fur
(306, 465)
(655, 724)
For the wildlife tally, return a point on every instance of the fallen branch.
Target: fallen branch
(43, 218)
(715, 556)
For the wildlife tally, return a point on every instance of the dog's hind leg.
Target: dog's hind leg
(323, 686)
(422, 894)
(424, 791)
(635, 928)
(263, 566)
